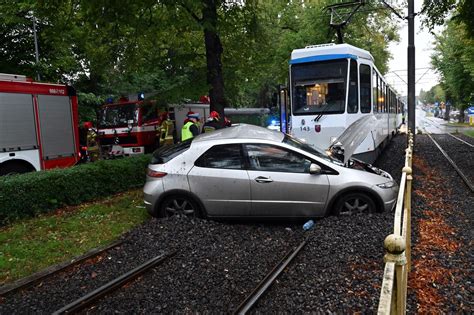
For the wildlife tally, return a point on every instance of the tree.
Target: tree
(437, 12)
(454, 60)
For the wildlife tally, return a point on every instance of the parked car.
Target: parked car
(250, 171)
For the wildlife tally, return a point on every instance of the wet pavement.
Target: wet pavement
(434, 125)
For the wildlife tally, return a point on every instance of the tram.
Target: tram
(333, 88)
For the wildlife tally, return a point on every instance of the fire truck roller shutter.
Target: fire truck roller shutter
(56, 126)
(17, 122)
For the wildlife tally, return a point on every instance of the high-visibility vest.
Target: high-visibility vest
(185, 132)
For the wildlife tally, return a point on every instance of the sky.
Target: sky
(423, 50)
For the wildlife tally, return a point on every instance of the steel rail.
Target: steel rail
(263, 286)
(465, 142)
(45, 273)
(93, 296)
(465, 179)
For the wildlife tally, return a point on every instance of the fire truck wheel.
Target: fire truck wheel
(15, 167)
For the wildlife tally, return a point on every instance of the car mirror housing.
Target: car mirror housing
(314, 169)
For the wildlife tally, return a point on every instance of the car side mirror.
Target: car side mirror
(314, 169)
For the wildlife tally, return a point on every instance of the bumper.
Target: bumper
(388, 196)
(151, 191)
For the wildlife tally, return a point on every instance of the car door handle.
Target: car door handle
(262, 179)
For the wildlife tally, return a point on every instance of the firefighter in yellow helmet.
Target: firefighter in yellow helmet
(190, 129)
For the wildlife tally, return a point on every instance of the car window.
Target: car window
(226, 156)
(294, 142)
(167, 153)
(267, 157)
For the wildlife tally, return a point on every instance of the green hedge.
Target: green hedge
(29, 194)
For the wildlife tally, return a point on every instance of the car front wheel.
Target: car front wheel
(179, 205)
(354, 203)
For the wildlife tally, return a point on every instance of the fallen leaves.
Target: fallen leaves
(435, 236)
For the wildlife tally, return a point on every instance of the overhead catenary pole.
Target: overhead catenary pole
(36, 49)
(411, 67)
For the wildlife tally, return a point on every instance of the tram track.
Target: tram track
(86, 300)
(453, 164)
(465, 142)
(252, 299)
(35, 278)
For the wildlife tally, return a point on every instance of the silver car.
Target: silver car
(250, 171)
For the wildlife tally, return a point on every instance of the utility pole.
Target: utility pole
(36, 49)
(411, 67)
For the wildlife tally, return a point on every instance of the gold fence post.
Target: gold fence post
(395, 247)
(407, 209)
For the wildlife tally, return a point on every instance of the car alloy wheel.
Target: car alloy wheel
(355, 203)
(179, 205)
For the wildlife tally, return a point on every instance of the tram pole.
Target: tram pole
(411, 67)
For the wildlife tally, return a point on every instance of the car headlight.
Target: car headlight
(387, 185)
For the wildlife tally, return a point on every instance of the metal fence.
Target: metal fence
(398, 245)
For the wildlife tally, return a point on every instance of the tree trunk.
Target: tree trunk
(213, 57)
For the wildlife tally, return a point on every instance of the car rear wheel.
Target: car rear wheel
(179, 205)
(354, 203)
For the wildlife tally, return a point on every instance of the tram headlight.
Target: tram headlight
(387, 185)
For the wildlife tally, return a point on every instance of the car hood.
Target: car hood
(345, 145)
(362, 166)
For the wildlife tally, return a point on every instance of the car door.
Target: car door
(221, 182)
(281, 184)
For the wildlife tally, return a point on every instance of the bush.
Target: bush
(29, 194)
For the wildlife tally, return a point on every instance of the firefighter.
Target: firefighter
(190, 129)
(212, 122)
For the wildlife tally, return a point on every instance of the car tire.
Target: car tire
(354, 203)
(179, 205)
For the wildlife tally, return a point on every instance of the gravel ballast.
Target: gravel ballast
(218, 264)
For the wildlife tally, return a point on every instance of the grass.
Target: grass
(469, 133)
(31, 245)
(458, 124)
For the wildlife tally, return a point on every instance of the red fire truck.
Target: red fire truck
(37, 125)
(128, 128)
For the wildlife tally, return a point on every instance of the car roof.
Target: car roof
(241, 131)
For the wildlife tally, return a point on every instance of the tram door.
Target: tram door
(285, 110)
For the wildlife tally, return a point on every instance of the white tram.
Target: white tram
(334, 87)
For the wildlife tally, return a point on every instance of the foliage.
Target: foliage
(33, 244)
(436, 12)
(29, 194)
(435, 94)
(113, 48)
(454, 60)
(88, 106)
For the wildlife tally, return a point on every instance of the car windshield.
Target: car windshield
(296, 143)
(117, 116)
(319, 87)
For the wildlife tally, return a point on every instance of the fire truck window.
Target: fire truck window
(149, 112)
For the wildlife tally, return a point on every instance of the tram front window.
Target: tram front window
(319, 87)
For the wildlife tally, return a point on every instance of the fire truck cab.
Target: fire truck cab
(37, 125)
(128, 128)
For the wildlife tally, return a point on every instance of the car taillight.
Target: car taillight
(155, 174)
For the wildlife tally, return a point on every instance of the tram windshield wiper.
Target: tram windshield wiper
(321, 114)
